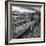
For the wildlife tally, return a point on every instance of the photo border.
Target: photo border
(6, 23)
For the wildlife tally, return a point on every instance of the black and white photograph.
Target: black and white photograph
(24, 22)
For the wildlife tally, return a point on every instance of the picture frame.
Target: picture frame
(35, 10)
